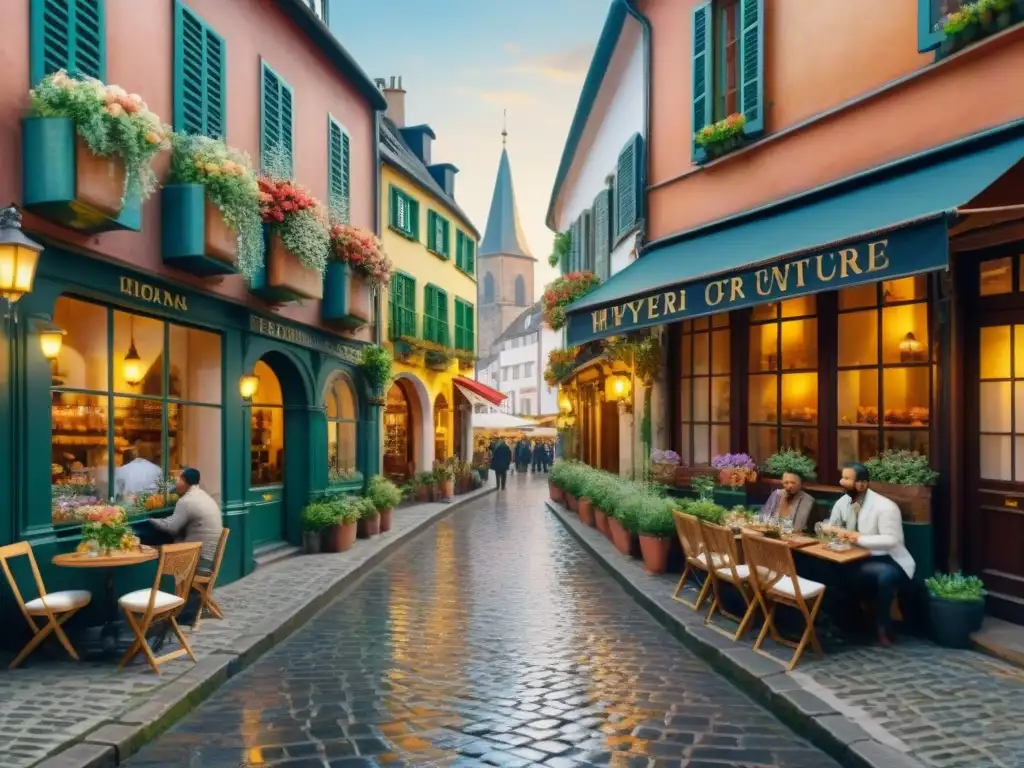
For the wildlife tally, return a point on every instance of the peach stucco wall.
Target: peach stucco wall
(140, 50)
(819, 57)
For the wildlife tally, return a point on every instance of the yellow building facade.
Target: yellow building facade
(429, 309)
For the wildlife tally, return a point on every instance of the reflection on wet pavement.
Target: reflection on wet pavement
(491, 640)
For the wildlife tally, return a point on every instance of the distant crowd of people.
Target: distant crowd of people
(521, 457)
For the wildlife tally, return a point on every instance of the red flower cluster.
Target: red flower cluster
(281, 198)
(560, 364)
(562, 292)
(362, 251)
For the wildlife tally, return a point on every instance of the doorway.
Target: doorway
(399, 438)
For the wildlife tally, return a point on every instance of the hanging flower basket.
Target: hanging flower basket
(563, 292)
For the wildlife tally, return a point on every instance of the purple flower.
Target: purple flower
(734, 461)
(665, 457)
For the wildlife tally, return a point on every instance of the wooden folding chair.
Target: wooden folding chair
(56, 607)
(145, 607)
(721, 546)
(203, 584)
(775, 582)
(688, 531)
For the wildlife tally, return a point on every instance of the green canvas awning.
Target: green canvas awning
(888, 223)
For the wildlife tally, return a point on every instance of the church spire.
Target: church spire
(504, 234)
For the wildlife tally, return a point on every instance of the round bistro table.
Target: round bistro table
(109, 562)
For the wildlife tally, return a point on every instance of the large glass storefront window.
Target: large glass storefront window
(704, 389)
(266, 430)
(134, 400)
(884, 374)
(340, 407)
(783, 378)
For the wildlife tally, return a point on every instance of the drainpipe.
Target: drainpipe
(645, 25)
(379, 319)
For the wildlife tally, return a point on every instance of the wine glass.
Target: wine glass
(787, 526)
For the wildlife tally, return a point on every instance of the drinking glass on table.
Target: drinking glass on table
(787, 526)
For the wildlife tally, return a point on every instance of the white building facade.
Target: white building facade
(516, 368)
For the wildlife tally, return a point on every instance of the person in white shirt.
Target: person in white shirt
(875, 523)
(136, 475)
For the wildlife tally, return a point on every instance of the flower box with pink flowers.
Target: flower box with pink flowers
(357, 266)
(87, 150)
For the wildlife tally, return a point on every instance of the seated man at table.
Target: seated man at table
(874, 522)
(196, 518)
(790, 501)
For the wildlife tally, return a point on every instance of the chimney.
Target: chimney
(395, 95)
(444, 175)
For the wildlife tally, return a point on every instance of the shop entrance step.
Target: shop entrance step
(274, 552)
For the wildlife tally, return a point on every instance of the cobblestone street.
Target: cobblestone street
(493, 639)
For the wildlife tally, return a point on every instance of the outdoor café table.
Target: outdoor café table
(851, 555)
(110, 562)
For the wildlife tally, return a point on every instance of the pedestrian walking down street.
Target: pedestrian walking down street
(547, 456)
(522, 455)
(538, 455)
(501, 457)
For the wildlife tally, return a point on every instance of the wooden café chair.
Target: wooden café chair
(53, 608)
(203, 584)
(721, 544)
(775, 582)
(688, 531)
(145, 607)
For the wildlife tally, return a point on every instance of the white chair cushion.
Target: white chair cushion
(60, 602)
(742, 571)
(808, 588)
(138, 601)
(718, 560)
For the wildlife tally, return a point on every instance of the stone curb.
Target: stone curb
(761, 678)
(113, 742)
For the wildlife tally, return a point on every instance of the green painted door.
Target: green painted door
(266, 515)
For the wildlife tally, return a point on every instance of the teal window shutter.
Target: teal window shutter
(276, 128)
(69, 35)
(338, 168)
(751, 65)
(577, 242)
(402, 320)
(199, 76)
(393, 203)
(587, 226)
(413, 207)
(602, 234)
(627, 187)
(431, 230)
(442, 318)
(703, 73)
(470, 258)
(928, 37)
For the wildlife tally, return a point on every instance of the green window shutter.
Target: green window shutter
(587, 246)
(69, 35)
(459, 248)
(414, 218)
(431, 230)
(627, 186)
(393, 203)
(751, 65)
(703, 74)
(470, 258)
(199, 76)
(443, 336)
(602, 234)
(471, 328)
(338, 169)
(276, 129)
(928, 38)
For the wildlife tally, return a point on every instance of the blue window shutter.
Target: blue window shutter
(602, 234)
(587, 226)
(287, 123)
(703, 73)
(69, 35)
(277, 117)
(928, 38)
(751, 66)
(199, 75)
(338, 171)
(627, 186)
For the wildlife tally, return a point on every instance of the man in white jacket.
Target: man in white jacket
(875, 523)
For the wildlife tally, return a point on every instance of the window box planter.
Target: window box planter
(64, 182)
(436, 361)
(986, 24)
(724, 147)
(283, 277)
(405, 352)
(347, 302)
(195, 237)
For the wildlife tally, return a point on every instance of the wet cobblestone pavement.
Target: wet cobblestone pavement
(493, 639)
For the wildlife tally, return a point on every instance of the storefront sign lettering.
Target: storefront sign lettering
(269, 328)
(153, 294)
(896, 254)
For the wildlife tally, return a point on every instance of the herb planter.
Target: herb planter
(624, 541)
(195, 237)
(555, 493)
(385, 520)
(311, 542)
(654, 550)
(283, 277)
(601, 522)
(953, 621)
(64, 182)
(368, 526)
(586, 512)
(572, 502)
(437, 361)
(346, 293)
(914, 501)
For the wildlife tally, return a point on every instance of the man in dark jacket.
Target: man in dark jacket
(501, 458)
(538, 455)
(522, 455)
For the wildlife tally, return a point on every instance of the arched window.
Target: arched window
(520, 291)
(488, 288)
(267, 429)
(340, 407)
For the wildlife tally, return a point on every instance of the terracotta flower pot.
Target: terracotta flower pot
(448, 488)
(601, 522)
(620, 536)
(221, 241)
(573, 502)
(556, 493)
(385, 520)
(368, 526)
(655, 551)
(331, 539)
(284, 270)
(99, 181)
(586, 512)
(346, 536)
(423, 493)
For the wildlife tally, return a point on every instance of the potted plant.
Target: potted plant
(722, 137)
(296, 236)
(663, 466)
(368, 524)
(704, 486)
(385, 496)
(623, 523)
(445, 474)
(316, 518)
(956, 606)
(377, 367)
(656, 527)
(907, 478)
(87, 153)
(705, 509)
(562, 292)
(560, 365)
(105, 529)
(735, 472)
(341, 534)
(211, 209)
(423, 482)
(357, 266)
(776, 465)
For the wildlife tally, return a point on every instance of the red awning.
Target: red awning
(492, 396)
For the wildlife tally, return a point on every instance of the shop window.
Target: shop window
(134, 400)
(704, 389)
(1001, 403)
(266, 430)
(783, 363)
(884, 369)
(340, 407)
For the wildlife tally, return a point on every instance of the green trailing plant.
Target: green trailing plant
(560, 248)
(318, 516)
(377, 367)
(383, 493)
(230, 184)
(655, 519)
(706, 510)
(704, 485)
(789, 461)
(111, 122)
(640, 351)
(956, 586)
(292, 213)
(901, 468)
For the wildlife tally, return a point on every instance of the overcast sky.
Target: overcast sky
(462, 62)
